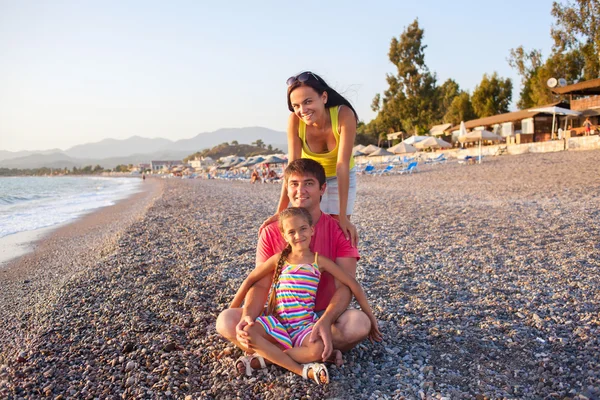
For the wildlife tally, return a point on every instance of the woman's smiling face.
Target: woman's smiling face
(308, 105)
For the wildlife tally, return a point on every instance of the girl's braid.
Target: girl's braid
(272, 299)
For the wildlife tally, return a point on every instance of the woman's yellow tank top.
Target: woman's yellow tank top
(327, 160)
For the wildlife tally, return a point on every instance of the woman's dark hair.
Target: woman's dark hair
(314, 81)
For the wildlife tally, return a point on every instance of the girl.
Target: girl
(290, 315)
(322, 126)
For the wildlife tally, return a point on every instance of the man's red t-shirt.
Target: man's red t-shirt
(328, 240)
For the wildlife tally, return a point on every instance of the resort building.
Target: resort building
(583, 97)
(158, 166)
(536, 124)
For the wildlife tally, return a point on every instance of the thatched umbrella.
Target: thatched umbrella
(369, 149)
(434, 143)
(479, 136)
(402, 148)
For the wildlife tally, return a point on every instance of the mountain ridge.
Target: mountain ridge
(136, 149)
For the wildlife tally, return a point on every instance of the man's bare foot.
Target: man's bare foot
(335, 358)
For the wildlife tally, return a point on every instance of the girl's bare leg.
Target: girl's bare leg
(263, 347)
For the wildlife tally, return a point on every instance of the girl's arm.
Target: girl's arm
(294, 152)
(257, 274)
(347, 129)
(338, 273)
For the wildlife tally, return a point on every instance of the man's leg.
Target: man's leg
(226, 323)
(351, 328)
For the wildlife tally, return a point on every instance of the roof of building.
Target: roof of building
(585, 88)
(507, 117)
(439, 129)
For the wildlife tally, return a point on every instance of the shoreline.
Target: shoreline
(51, 256)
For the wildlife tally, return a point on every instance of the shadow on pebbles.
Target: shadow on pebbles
(484, 279)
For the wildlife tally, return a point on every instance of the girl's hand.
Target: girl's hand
(268, 221)
(374, 334)
(349, 230)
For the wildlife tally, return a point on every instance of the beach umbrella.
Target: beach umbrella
(479, 136)
(358, 147)
(415, 139)
(463, 129)
(380, 152)
(357, 153)
(273, 160)
(369, 149)
(554, 110)
(434, 143)
(402, 148)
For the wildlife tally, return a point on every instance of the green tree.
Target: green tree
(492, 96)
(446, 95)
(410, 102)
(577, 27)
(259, 143)
(461, 109)
(234, 143)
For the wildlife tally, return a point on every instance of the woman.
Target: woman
(322, 126)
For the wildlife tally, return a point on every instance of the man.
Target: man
(339, 328)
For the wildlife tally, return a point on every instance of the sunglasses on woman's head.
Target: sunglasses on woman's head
(303, 77)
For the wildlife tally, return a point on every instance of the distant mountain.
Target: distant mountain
(242, 135)
(111, 152)
(54, 160)
(9, 155)
(109, 148)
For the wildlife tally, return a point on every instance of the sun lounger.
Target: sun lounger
(369, 169)
(410, 168)
(387, 170)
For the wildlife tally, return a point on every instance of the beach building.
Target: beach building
(199, 163)
(523, 126)
(585, 98)
(164, 166)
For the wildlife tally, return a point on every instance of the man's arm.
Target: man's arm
(339, 303)
(342, 296)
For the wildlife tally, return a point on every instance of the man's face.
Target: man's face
(304, 191)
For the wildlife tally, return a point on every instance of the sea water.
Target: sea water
(32, 203)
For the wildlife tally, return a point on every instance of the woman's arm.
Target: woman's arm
(294, 152)
(257, 274)
(338, 273)
(347, 129)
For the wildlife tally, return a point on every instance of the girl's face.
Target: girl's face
(307, 104)
(297, 232)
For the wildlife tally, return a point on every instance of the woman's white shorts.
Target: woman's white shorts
(330, 202)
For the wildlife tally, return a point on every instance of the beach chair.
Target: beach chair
(412, 167)
(369, 169)
(468, 160)
(387, 170)
(439, 159)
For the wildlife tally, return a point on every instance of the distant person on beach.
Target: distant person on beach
(322, 127)
(338, 327)
(255, 176)
(587, 124)
(143, 177)
(280, 333)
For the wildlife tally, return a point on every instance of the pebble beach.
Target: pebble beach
(485, 280)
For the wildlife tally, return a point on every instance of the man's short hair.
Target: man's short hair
(306, 166)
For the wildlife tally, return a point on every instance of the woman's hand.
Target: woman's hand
(268, 221)
(374, 334)
(349, 230)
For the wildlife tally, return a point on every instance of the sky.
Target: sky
(74, 72)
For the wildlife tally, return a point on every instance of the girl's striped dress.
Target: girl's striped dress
(295, 315)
